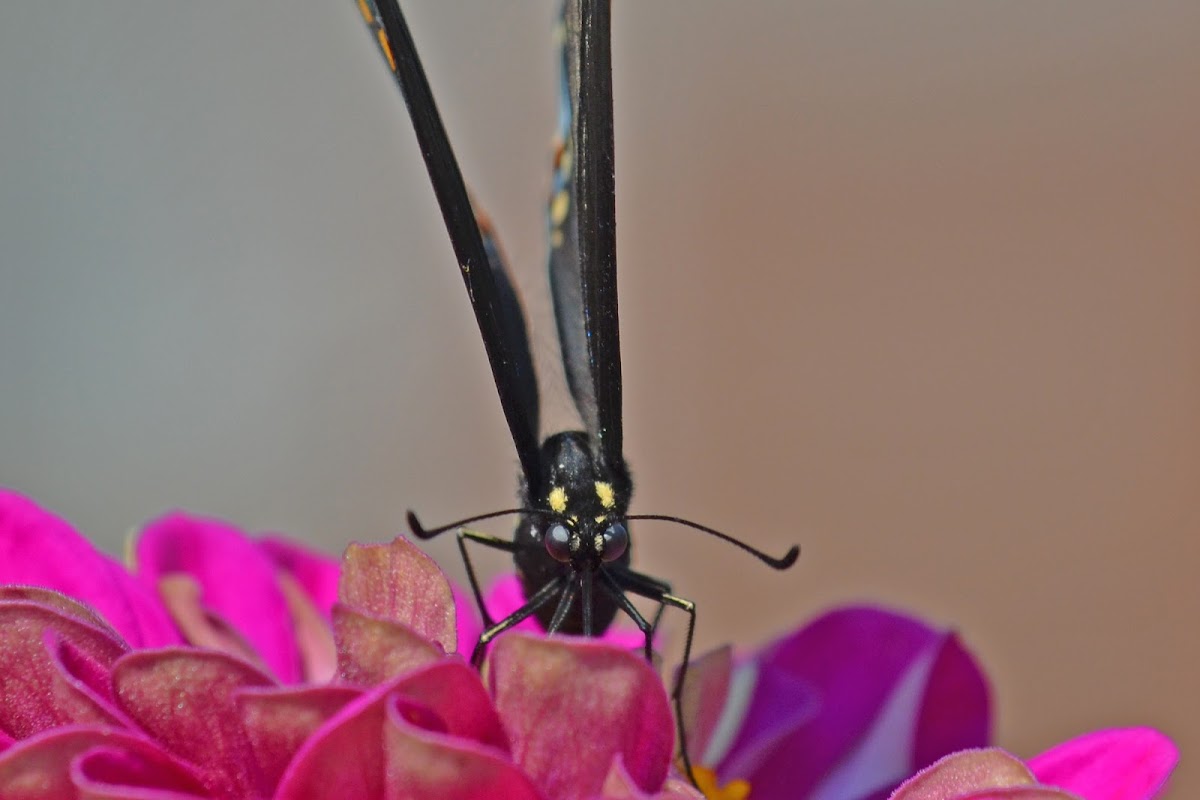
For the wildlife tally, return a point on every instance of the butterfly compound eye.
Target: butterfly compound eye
(558, 542)
(614, 542)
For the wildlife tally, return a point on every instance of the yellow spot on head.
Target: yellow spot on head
(706, 780)
(559, 204)
(557, 499)
(601, 518)
(605, 492)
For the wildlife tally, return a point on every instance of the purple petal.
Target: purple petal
(236, 578)
(372, 651)
(279, 720)
(186, 699)
(587, 699)
(1115, 764)
(315, 572)
(965, 774)
(38, 687)
(41, 767)
(421, 764)
(400, 583)
(842, 707)
(40, 549)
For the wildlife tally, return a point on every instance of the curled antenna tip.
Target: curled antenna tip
(788, 559)
(418, 530)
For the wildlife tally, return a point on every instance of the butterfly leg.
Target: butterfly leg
(640, 588)
(650, 584)
(465, 534)
(540, 599)
(614, 591)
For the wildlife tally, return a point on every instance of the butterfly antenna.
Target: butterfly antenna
(788, 559)
(423, 533)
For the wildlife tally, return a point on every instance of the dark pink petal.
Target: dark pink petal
(57, 601)
(346, 757)
(506, 595)
(398, 582)
(965, 774)
(703, 700)
(843, 704)
(236, 578)
(40, 549)
(40, 767)
(201, 626)
(572, 706)
(420, 764)
(186, 700)
(469, 626)
(372, 651)
(1115, 764)
(279, 720)
(39, 690)
(316, 573)
(619, 786)
(113, 773)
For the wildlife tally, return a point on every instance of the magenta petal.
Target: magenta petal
(420, 764)
(39, 690)
(467, 622)
(186, 699)
(237, 581)
(112, 773)
(1115, 764)
(372, 651)
(400, 583)
(40, 549)
(867, 673)
(591, 700)
(345, 758)
(956, 709)
(964, 775)
(619, 786)
(40, 767)
(279, 720)
(315, 572)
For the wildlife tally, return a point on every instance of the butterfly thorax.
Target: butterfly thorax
(584, 503)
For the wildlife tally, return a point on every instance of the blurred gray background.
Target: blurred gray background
(914, 285)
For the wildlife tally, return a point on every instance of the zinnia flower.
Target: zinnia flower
(219, 666)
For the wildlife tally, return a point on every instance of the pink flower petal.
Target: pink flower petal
(619, 786)
(572, 706)
(40, 767)
(966, 774)
(400, 583)
(1115, 764)
(420, 764)
(237, 581)
(279, 720)
(314, 637)
(843, 704)
(113, 773)
(201, 626)
(38, 691)
(346, 757)
(40, 549)
(372, 651)
(506, 595)
(315, 572)
(185, 699)
(468, 624)
(703, 700)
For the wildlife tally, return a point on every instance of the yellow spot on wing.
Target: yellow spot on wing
(558, 499)
(558, 207)
(386, 47)
(367, 14)
(605, 492)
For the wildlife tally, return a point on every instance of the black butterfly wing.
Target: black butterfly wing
(497, 309)
(583, 250)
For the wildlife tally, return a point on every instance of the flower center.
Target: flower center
(706, 780)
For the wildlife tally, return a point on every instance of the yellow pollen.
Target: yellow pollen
(605, 492)
(558, 500)
(706, 779)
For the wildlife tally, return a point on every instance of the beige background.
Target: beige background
(914, 285)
